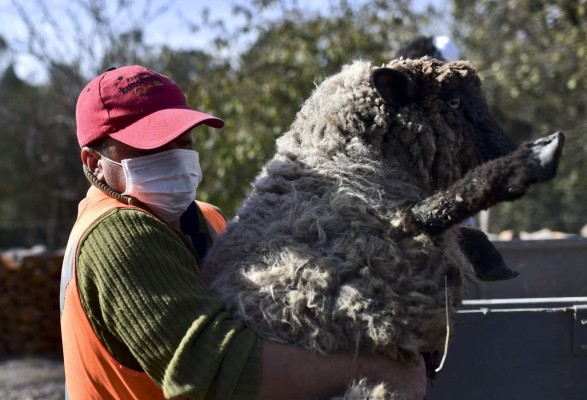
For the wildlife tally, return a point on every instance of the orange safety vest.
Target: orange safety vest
(91, 371)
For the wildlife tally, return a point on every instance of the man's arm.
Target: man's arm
(290, 372)
(147, 303)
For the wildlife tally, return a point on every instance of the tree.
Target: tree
(286, 52)
(255, 75)
(532, 56)
(42, 179)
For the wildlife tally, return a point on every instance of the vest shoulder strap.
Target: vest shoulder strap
(215, 220)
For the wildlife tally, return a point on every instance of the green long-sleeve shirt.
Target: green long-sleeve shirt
(145, 299)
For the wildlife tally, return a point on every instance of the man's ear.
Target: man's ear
(395, 87)
(93, 161)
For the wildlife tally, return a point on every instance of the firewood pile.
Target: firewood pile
(29, 301)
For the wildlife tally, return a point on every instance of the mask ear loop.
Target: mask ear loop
(109, 160)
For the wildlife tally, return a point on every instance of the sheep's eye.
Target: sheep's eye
(454, 103)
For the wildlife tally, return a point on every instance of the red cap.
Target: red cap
(137, 107)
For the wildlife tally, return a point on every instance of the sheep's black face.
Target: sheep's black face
(456, 130)
(470, 110)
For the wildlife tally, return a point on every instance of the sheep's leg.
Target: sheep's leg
(487, 262)
(505, 178)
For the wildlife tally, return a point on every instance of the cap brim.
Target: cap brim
(161, 127)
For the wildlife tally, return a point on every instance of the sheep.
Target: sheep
(350, 237)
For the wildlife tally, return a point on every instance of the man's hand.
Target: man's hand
(408, 379)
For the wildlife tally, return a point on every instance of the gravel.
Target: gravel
(31, 379)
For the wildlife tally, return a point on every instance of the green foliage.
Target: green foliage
(259, 90)
(37, 186)
(533, 58)
(256, 73)
(41, 169)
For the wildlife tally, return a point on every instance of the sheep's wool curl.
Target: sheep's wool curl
(317, 255)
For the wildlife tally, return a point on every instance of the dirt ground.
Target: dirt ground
(31, 379)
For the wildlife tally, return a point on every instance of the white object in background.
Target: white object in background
(447, 48)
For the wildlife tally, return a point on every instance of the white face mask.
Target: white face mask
(166, 181)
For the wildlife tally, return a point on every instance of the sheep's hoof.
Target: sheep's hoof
(498, 272)
(487, 262)
(547, 152)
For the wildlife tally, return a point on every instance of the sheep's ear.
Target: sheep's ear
(395, 87)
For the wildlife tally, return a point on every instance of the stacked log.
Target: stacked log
(29, 303)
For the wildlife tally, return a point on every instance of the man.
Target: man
(138, 322)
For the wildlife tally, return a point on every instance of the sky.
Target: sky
(164, 27)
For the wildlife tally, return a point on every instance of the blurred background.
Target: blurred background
(253, 63)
